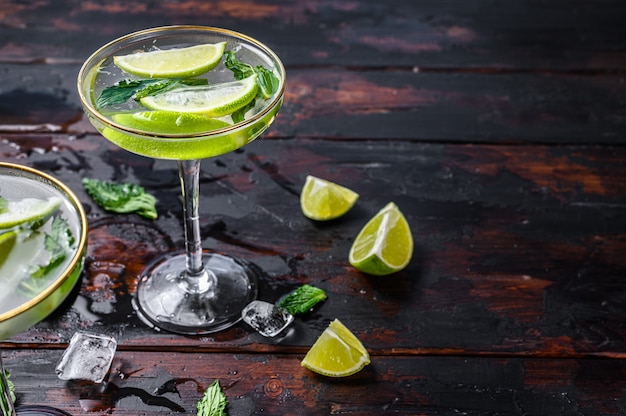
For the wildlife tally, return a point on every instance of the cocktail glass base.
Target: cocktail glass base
(168, 299)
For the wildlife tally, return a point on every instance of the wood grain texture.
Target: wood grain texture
(172, 383)
(380, 105)
(497, 127)
(546, 72)
(516, 248)
(431, 35)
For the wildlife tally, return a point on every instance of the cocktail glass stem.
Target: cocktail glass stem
(194, 292)
(6, 402)
(197, 278)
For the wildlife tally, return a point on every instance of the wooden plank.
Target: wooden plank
(431, 35)
(381, 105)
(153, 383)
(454, 108)
(517, 247)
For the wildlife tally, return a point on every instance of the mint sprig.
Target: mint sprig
(214, 402)
(266, 80)
(4, 406)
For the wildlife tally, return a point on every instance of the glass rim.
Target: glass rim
(88, 105)
(77, 255)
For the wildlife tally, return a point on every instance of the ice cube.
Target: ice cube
(88, 357)
(268, 319)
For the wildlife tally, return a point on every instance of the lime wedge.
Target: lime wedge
(323, 200)
(28, 210)
(169, 122)
(384, 245)
(7, 241)
(336, 353)
(211, 100)
(172, 63)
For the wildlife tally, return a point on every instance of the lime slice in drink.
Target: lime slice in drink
(172, 63)
(336, 353)
(324, 200)
(168, 122)
(26, 210)
(215, 100)
(384, 245)
(7, 241)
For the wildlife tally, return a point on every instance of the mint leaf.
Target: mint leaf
(240, 69)
(302, 299)
(239, 115)
(213, 403)
(121, 92)
(59, 243)
(267, 81)
(121, 197)
(124, 90)
(167, 85)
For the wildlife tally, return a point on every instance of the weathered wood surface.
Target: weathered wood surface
(549, 72)
(170, 383)
(497, 127)
(343, 104)
(517, 249)
(517, 35)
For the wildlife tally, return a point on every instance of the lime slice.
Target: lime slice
(336, 353)
(384, 245)
(169, 122)
(28, 210)
(211, 100)
(323, 200)
(7, 241)
(172, 63)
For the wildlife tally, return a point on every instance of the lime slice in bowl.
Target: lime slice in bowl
(214, 100)
(172, 63)
(336, 353)
(323, 200)
(28, 210)
(169, 122)
(7, 241)
(384, 245)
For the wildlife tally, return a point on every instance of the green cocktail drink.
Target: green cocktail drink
(185, 93)
(175, 130)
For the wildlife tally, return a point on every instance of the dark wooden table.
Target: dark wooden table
(497, 127)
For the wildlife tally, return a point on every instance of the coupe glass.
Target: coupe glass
(197, 291)
(21, 309)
